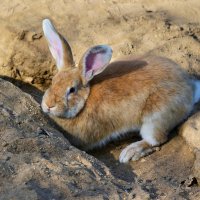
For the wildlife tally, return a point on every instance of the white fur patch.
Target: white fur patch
(147, 133)
(134, 151)
(129, 152)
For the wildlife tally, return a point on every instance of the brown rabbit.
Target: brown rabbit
(97, 101)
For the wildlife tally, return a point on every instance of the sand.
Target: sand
(168, 28)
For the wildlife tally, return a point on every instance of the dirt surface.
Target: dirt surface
(168, 28)
(162, 27)
(162, 174)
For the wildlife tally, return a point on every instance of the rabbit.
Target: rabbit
(98, 101)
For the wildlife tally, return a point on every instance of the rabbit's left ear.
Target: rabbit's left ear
(58, 46)
(94, 61)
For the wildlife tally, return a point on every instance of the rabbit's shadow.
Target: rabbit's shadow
(109, 155)
(26, 87)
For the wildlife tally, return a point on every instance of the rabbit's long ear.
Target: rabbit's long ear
(58, 46)
(94, 61)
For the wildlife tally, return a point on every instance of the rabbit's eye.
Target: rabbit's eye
(71, 90)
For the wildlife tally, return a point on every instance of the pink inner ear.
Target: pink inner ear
(56, 48)
(95, 60)
(56, 44)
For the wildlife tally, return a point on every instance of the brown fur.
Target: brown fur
(122, 98)
(152, 94)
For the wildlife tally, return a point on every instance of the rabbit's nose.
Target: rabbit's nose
(50, 107)
(46, 107)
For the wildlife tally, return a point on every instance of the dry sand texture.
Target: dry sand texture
(163, 27)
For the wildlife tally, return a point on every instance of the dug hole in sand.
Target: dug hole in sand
(34, 163)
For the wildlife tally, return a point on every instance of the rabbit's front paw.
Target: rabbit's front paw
(135, 151)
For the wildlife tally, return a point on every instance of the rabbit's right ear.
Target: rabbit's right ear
(58, 46)
(94, 61)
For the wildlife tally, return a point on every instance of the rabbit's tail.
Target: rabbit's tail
(196, 91)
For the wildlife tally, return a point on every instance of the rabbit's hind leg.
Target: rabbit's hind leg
(151, 138)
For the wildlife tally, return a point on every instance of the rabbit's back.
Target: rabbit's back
(130, 81)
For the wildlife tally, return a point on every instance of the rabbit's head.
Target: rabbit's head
(70, 88)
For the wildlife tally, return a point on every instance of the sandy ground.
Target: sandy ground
(169, 28)
(162, 27)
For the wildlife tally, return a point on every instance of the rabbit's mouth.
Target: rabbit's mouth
(67, 114)
(48, 110)
(61, 112)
